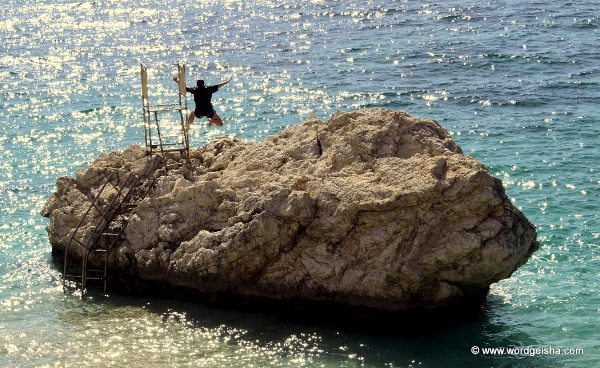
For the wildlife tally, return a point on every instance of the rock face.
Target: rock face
(372, 208)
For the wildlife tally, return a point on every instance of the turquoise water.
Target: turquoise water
(517, 83)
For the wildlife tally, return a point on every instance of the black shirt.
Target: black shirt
(202, 96)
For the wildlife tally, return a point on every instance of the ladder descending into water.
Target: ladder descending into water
(106, 231)
(154, 129)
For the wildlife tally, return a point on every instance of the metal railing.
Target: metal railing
(103, 237)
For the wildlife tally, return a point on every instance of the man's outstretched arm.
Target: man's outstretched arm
(224, 83)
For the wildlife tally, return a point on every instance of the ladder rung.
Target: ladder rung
(94, 270)
(71, 275)
(94, 278)
(166, 108)
(98, 250)
(164, 105)
(110, 234)
(175, 149)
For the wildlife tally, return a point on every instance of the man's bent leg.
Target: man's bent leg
(216, 119)
(190, 120)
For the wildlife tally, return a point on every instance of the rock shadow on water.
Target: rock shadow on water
(396, 338)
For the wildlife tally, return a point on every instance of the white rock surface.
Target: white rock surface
(372, 208)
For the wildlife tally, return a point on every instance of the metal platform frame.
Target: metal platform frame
(155, 140)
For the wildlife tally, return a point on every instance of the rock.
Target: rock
(373, 208)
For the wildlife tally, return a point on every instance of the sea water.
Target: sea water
(517, 84)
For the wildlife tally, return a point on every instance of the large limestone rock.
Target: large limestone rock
(372, 208)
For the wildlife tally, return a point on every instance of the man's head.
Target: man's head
(200, 83)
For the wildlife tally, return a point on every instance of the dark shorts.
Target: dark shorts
(208, 113)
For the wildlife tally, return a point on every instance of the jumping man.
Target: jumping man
(202, 98)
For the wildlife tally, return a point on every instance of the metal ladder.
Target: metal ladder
(152, 125)
(107, 229)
